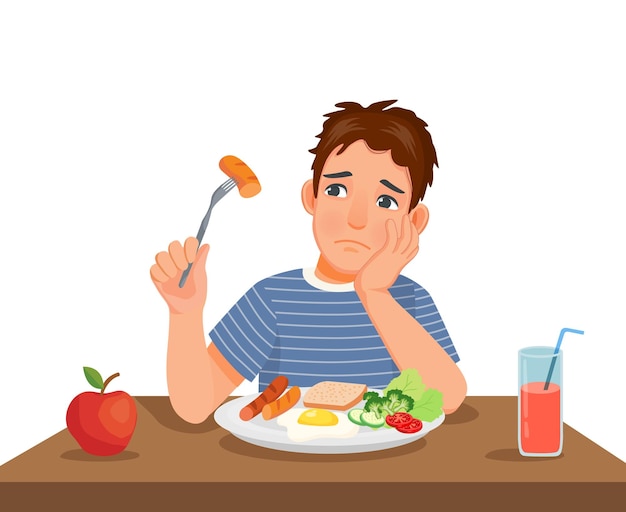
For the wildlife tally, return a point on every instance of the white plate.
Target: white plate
(269, 434)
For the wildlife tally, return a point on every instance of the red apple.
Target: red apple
(102, 423)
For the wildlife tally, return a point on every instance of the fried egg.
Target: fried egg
(306, 424)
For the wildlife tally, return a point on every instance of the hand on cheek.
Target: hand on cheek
(382, 269)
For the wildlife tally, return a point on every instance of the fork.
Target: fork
(219, 193)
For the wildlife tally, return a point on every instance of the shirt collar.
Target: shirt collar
(316, 282)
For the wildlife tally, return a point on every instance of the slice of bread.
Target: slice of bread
(339, 396)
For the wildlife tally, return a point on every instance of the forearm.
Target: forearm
(188, 368)
(411, 346)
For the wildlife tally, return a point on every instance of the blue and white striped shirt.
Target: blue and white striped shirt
(295, 325)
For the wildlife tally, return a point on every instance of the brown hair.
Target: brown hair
(395, 129)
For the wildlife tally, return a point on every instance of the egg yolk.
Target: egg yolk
(318, 417)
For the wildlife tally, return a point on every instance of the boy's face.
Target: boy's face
(359, 190)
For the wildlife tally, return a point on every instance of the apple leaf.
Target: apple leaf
(93, 377)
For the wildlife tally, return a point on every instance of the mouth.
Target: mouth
(353, 242)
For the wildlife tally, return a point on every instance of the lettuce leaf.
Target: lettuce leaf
(428, 402)
(429, 407)
(409, 382)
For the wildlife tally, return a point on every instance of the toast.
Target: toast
(339, 396)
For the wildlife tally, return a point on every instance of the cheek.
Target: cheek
(378, 234)
(328, 221)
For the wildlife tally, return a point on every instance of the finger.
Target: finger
(177, 254)
(199, 265)
(398, 232)
(414, 248)
(392, 236)
(201, 256)
(191, 248)
(412, 239)
(413, 252)
(164, 261)
(405, 234)
(157, 274)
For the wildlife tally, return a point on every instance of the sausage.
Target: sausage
(247, 182)
(269, 394)
(281, 404)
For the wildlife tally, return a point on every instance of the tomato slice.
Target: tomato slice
(399, 418)
(413, 426)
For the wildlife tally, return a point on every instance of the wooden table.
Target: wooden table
(470, 461)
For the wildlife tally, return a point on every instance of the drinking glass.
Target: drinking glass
(540, 402)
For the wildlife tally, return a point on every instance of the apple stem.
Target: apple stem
(106, 382)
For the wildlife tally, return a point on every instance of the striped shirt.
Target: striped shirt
(295, 325)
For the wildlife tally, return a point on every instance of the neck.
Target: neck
(326, 272)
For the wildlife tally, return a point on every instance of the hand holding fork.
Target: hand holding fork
(169, 263)
(219, 193)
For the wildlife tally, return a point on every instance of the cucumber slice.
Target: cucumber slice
(371, 420)
(355, 416)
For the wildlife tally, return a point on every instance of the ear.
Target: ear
(308, 197)
(419, 217)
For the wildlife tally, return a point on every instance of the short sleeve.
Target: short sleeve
(246, 335)
(428, 316)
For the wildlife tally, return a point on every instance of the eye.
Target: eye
(386, 201)
(336, 190)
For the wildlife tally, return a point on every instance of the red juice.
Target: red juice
(540, 418)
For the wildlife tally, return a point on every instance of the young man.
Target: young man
(352, 318)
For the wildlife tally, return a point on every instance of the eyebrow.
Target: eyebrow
(342, 174)
(392, 186)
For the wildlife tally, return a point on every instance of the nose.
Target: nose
(357, 214)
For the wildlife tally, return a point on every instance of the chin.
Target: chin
(348, 262)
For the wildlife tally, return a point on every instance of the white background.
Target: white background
(113, 116)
